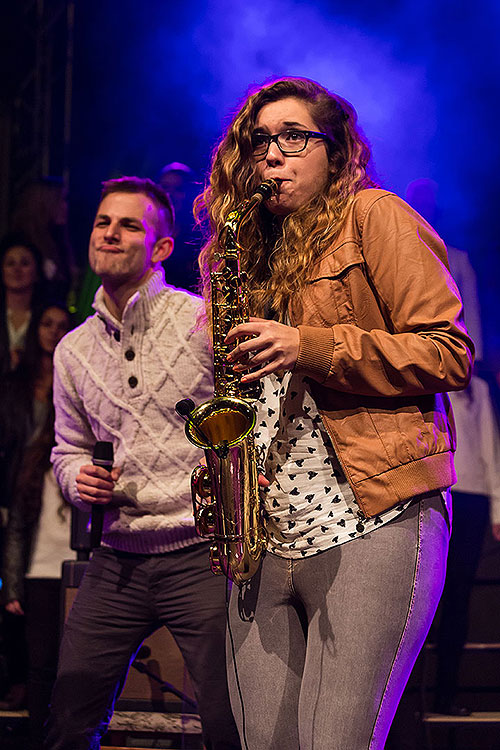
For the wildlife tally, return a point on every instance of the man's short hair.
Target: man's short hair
(145, 186)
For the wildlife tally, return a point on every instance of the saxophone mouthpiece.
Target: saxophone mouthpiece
(266, 189)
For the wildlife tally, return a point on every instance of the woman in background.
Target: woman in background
(22, 292)
(38, 532)
(41, 214)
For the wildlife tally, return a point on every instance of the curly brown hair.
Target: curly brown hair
(278, 255)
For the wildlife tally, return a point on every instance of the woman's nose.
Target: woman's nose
(274, 154)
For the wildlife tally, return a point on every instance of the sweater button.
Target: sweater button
(117, 335)
(132, 381)
(130, 355)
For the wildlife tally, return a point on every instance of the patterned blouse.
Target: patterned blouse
(310, 504)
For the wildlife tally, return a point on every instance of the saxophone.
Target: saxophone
(225, 493)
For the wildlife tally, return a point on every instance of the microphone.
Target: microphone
(101, 456)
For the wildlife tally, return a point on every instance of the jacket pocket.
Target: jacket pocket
(338, 292)
(338, 261)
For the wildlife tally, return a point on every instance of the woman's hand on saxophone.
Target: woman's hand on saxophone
(263, 481)
(271, 347)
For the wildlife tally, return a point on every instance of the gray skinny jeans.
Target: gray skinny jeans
(324, 646)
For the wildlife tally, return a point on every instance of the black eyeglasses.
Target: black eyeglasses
(288, 141)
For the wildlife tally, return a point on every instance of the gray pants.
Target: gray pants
(324, 646)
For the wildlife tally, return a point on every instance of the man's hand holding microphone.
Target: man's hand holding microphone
(95, 484)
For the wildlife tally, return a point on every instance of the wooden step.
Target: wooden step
(470, 647)
(476, 717)
(150, 721)
(21, 714)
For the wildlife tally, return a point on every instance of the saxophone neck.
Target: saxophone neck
(236, 218)
(229, 295)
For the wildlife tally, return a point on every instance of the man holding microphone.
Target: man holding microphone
(117, 379)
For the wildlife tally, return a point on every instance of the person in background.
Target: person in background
(356, 334)
(38, 532)
(179, 182)
(117, 378)
(475, 496)
(22, 293)
(422, 195)
(476, 502)
(41, 214)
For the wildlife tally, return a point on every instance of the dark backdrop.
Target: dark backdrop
(156, 81)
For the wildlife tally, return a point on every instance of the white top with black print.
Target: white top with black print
(310, 504)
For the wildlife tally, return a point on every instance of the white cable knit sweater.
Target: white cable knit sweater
(120, 381)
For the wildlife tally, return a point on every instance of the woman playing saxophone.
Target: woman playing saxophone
(355, 333)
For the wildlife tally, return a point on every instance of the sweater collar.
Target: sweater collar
(144, 301)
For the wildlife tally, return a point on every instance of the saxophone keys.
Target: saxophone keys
(215, 561)
(201, 484)
(207, 518)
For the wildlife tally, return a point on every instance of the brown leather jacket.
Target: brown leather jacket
(382, 339)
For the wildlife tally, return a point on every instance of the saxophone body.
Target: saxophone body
(225, 493)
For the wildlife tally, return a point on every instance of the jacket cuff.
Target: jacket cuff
(315, 352)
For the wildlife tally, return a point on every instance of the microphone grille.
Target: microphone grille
(103, 451)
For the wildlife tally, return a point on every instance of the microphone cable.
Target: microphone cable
(233, 654)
